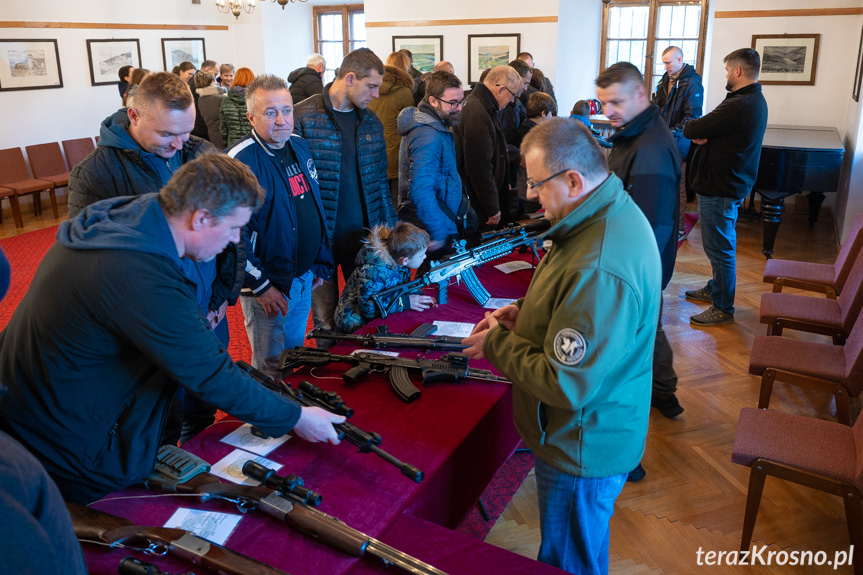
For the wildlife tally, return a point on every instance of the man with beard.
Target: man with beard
(430, 190)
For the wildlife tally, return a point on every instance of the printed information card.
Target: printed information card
(243, 438)
(209, 525)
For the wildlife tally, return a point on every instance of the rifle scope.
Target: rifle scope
(290, 484)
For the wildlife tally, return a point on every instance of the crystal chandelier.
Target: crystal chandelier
(236, 7)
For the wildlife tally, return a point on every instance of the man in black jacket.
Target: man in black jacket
(724, 167)
(680, 97)
(308, 81)
(644, 156)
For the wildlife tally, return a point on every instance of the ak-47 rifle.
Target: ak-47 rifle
(420, 338)
(275, 496)
(450, 367)
(460, 265)
(311, 395)
(93, 525)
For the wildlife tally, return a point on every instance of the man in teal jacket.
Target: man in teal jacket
(578, 347)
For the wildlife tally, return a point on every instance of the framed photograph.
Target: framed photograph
(787, 59)
(108, 56)
(858, 73)
(29, 65)
(175, 51)
(486, 51)
(426, 50)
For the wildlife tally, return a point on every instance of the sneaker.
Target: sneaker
(667, 406)
(636, 474)
(712, 316)
(700, 294)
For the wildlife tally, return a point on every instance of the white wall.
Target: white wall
(288, 37)
(578, 46)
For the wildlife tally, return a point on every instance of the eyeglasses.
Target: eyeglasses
(533, 185)
(508, 90)
(271, 115)
(453, 103)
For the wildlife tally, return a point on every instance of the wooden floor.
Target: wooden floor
(693, 496)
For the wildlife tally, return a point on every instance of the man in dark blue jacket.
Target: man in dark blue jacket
(111, 326)
(289, 253)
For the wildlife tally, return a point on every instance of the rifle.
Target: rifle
(276, 497)
(419, 338)
(93, 525)
(460, 265)
(132, 566)
(450, 367)
(311, 395)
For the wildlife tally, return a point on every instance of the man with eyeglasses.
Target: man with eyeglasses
(430, 190)
(480, 145)
(288, 251)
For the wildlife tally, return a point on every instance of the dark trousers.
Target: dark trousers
(664, 376)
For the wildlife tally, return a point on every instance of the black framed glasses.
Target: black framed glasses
(453, 103)
(513, 94)
(533, 185)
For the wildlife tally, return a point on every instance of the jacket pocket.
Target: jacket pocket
(111, 440)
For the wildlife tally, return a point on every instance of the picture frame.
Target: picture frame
(427, 50)
(489, 50)
(29, 65)
(108, 56)
(175, 51)
(787, 59)
(858, 73)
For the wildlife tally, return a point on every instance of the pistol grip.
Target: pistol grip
(354, 374)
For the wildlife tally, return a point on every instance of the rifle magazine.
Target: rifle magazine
(473, 285)
(401, 383)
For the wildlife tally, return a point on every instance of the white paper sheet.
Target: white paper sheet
(209, 525)
(498, 302)
(230, 467)
(242, 437)
(377, 351)
(513, 266)
(454, 328)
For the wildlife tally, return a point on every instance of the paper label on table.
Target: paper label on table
(498, 302)
(209, 525)
(454, 328)
(514, 266)
(242, 437)
(230, 467)
(377, 351)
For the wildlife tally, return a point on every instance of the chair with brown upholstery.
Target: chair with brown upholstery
(828, 279)
(16, 209)
(76, 150)
(47, 163)
(820, 454)
(14, 175)
(833, 317)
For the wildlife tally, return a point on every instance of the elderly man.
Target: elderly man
(308, 81)
(480, 145)
(110, 327)
(578, 346)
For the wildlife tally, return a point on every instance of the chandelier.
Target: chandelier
(236, 7)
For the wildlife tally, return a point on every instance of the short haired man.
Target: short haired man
(480, 145)
(724, 167)
(290, 252)
(349, 151)
(110, 327)
(578, 346)
(226, 75)
(644, 156)
(420, 92)
(308, 81)
(186, 70)
(680, 97)
(540, 108)
(430, 190)
(415, 74)
(125, 74)
(546, 86)
(204, 84)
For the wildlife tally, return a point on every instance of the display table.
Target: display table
(458, 434)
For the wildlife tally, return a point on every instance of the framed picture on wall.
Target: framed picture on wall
(486, 51)
(108, 56)
(175, 51)
(858, 73)
(29, 65)
(787, 59)
(426, 50)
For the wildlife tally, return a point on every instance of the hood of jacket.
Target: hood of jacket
(686, 72)
(114, 132)
(375, 250)
(423, 115)
(393, 79)
(299, 72)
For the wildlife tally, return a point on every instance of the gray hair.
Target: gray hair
(267, 83)
(504, 75)
(316, 60)
(567, 145)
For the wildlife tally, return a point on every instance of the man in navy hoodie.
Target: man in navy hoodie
(111, 326)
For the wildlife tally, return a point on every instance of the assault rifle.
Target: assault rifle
(93, 525)
(450, 367)
(310, 395)
(420, 338)
(276, 497)
(460, 265)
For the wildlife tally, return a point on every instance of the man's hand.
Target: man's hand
(435, 245)
(477, 339)
(505, 315)
(215, 317)
(317, 282)
(699, 141)
(274, 302)
(316, 425)
(493, 220)
(421, 302)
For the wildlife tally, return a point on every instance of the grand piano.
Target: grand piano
(795, 160)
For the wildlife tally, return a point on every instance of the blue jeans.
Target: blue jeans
(574, 513)
(269, 336)
(719, 238)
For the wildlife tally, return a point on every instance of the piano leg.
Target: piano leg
(815, 201)
(771, 216)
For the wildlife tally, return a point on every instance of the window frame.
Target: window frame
(346, 10)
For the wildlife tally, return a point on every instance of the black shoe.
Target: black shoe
(667, 406)
(636, 474)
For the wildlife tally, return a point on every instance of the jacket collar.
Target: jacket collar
(429, 110)
(328, 105)
(601, 198)
(750, 89)
(638, 125)
(485, 96)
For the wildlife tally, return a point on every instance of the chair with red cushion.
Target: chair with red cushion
(76, 150)
(828, 279)
(820, 454)
(14, 175)
(16, 209)
(47, 163)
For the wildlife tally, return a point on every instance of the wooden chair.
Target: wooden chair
(76, 150)
(828, 279)
(820, 454)
(16, 209)
(14, 175)
(46, 161)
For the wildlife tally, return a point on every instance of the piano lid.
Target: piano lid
(814, 138)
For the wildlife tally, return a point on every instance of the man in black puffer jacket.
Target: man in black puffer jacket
(308, 81)
(349, 152)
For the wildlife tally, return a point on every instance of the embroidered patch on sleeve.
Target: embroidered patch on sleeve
(313, 171)
(569, 346)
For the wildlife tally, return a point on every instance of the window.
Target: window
(638, 31)
(338, 30)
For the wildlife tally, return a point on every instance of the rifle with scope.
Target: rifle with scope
(420, 338)
(460, 265)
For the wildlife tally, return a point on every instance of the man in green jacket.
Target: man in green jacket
(578, 347)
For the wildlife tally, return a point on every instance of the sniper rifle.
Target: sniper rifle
(420, 338)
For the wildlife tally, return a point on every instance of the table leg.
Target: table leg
(815, 201)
